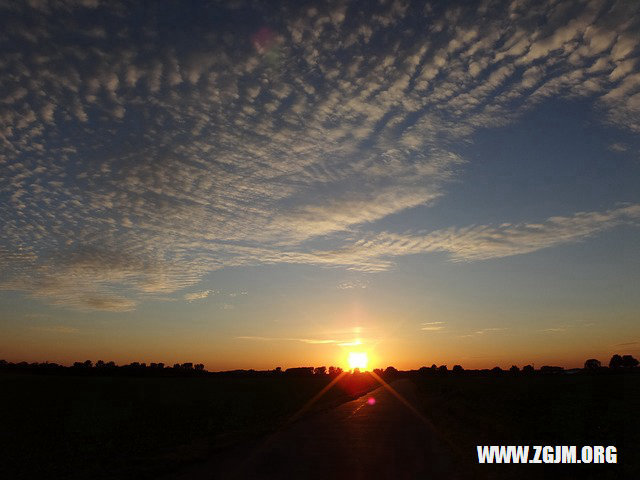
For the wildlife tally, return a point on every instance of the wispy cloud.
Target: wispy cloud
(353, 284)
(489, 330)
(481, 242)
(432, 326)
(618, 147)
(190, 297)
(484, 331)
(55, 329)
(311, 341)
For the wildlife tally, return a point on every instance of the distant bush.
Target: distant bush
(592, 364)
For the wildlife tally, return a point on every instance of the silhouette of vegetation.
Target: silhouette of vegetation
(616, 361)
(107, 421)
(547, 369)
(477, 408)
(592, 364)
(94, 419)
(624, 361)
(629, 362)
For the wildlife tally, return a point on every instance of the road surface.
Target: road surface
(358, 440)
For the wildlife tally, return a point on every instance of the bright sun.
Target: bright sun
(357, 360)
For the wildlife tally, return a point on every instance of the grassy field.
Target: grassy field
(134, 427)
(537, 410)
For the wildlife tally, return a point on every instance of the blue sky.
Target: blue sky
(258, 184)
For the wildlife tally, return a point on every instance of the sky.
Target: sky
(257, 184)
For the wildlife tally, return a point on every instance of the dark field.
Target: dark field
(137, 427)
(552, 410)
(67, 426)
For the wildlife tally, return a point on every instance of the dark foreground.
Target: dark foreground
(137, 427)
(223, 427)
(375, 436)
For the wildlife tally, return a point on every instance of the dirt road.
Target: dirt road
(373, 437)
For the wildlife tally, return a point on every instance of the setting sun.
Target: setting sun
(358, 360)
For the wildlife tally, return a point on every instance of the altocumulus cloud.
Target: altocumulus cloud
(137, 156)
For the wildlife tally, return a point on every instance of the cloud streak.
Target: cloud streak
(311, 341)
(190, 297)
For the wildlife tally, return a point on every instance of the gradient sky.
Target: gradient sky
(260, 184)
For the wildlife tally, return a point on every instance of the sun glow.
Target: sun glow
(358, 360)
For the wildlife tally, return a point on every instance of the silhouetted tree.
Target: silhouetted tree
(551, 369)
(616, 361)
(378, 371)
(442, 369)
(187, 366)
(300, 371)
(99, 364)
(176, 366)
(110, 364)
(528, 369)
(514, 369)
(433, 367)
(278, 370)
(390, 371)
(629, 361)
(199, 367)
(320, 371)
(88, 363)
(457, 369)
(496, 370)
(592, 364)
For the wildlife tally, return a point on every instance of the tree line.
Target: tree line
(617, 363)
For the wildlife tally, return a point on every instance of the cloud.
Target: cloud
(352, 284)
(55, 329)
(483, 332)
(190, 297)
(432, 326)
(310, 341)
(484, 242)
(618, 147)
(131, 168)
